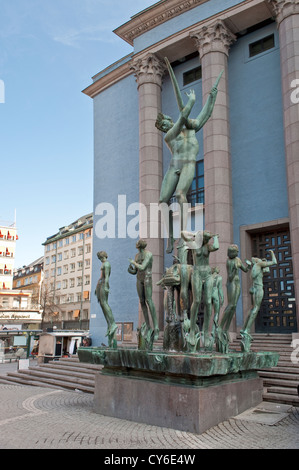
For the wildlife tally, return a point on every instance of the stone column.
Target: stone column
(213, 42)
(287, 17)
(149, 71)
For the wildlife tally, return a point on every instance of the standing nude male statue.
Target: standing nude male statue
(260, 266)
(142, 266)
(102, 292)
(181, 140)
(201, 247)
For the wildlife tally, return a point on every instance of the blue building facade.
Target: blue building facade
(247, 171)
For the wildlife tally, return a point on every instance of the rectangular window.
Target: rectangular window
(192, 76)
(196, 191)
(261, 45)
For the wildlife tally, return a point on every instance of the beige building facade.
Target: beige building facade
(67, 275)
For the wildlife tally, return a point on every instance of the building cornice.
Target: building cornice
(154, 16)
(236, 18)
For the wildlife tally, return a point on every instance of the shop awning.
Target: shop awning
(76, 313)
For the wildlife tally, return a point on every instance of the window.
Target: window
(73, 238)
(79, 281)
(87, 263)
(65, 269)
(72, 267)
(66, 255)
(67, 241)
(88, 248)
(87, 279)
(58, 285)
(54, 246)
(261, 45)
(60, 243)
(192, 75)
(80, 251)
(73, 252)
(54, 259)
(80, 264)
(59, 256)
(58, 271)
(48, 260)
(81, 236)
(72, 282)
(64, 284)
(196, 191)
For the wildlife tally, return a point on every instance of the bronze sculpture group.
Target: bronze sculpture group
(187, 285)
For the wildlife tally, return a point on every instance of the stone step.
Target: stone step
(266, 374)
(281, 398)
(71, 367)
(284, 390)
(40, 381)
(31, 373)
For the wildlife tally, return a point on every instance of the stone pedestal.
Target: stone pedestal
(186, 391)
(186, 408)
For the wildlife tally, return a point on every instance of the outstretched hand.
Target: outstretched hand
(191, 94)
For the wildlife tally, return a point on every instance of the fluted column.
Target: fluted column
(213, 44)
(149, 71)
(287, 17)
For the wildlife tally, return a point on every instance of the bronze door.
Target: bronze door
(278, 310)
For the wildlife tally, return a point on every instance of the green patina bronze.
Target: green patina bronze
(102, 293)
(181, 140)
(260, 266)
(200, 369)
(233, 265)
(188, 356)
(142, 267)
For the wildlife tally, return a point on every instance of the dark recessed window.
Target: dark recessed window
(192, 76)
(262, 45)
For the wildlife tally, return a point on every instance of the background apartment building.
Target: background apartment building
(29, 278)
(8, 237)
(67, 275)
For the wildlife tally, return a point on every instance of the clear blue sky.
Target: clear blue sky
(49, 50)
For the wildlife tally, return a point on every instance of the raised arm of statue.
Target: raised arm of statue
(178, 126)
(175, 85)
(145, 263)
(264, 264)
(207, 110)
(215, 245)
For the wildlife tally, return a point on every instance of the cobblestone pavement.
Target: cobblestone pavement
(43, 418)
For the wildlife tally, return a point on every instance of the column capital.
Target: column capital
(215, 37)
(149, 69)
(284, 8)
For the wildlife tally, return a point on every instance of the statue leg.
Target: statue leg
(149, 301)
(257, 300)
(183, 186)
(169, 183)
(208, 309)
(196, 292)
(141, 295)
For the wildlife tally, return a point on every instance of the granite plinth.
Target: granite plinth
(188, 392)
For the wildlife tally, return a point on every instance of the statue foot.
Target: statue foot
(111, 330)
(246, 341)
